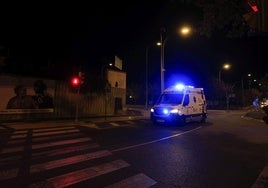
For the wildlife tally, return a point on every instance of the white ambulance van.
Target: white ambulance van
(180, 104)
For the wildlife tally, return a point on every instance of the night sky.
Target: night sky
(87, 35)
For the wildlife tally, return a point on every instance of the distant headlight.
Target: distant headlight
(152, 110)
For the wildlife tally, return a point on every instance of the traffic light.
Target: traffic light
(81, 75)
(75, 81)
(253, 5)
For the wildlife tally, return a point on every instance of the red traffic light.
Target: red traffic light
(75, 81)
(253, 5)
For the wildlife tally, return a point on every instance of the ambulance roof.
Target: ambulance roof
(175, 89)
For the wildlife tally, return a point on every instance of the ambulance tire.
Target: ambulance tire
(182, 120)
(154, 122)
(203, 118)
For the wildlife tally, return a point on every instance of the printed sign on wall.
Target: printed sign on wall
(19, 94)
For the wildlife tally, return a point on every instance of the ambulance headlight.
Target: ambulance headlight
(152, 110)
(174, 111)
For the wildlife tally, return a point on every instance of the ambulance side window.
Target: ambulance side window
(186, 100)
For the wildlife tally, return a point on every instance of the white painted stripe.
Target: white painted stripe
(262, 180)
(8, 174)
(44, 145)
(139, 180)
(61, 151)
(20, 132)
(154, 141)
(49, 137)
(54, 132)
(90, 125)
(16, 136)
(114, 124)
(11, 150)
(15, 141)
(52, 129)
(9, 159)
(68, 161)
(131, 122)
(81, 175)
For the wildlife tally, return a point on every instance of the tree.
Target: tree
(222, 17)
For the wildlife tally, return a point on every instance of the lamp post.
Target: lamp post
(249, 80)
(162, 59)
(225, 66)
(185, 30)
(146, 75)
(103, 67)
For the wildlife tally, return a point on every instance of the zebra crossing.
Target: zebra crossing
(114, 124)
(63, 157)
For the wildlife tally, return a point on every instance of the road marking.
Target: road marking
(262, 180)
(90, 125)
(66, 150)
(55, 132)
(9, 159)
(139, 180)
(68, 161)
(131, 122)
(21, 132)
(16, 136)
(11, 150)
(81, 175)
(61, 137)
(114, 124)
(7, 174)
(154, 141)
(43, 145)
(52, 129)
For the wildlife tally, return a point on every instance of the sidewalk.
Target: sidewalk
(129, 114)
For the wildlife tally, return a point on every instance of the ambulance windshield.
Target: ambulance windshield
(172, 99)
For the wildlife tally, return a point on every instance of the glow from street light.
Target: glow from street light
(185, 30)
(226, 66)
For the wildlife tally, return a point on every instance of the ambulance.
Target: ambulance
(180, 104)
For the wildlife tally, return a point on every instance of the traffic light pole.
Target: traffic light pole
(77, 105)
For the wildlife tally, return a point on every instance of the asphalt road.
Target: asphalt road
(229, 150)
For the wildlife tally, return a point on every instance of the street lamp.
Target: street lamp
(249, 81)
(103, 67)
(185, 30)
(146, 72)
(162, 58)
(225, 66)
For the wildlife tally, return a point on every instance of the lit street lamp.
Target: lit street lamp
(185, 30)
(162, 60)
(104, 66)
(249, 80)
(226, 66)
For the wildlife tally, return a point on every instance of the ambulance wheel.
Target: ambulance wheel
(154, 122)
(203, 118)
(182, 120)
